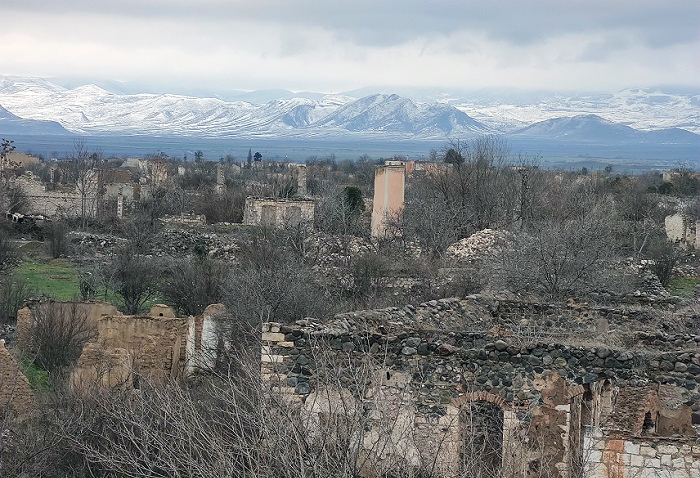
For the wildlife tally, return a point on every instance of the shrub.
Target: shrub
(59, 332)
(14, 290)
(57, 238)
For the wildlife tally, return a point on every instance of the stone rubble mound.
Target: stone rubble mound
(480, 245)
(178, 242)
(94, 242)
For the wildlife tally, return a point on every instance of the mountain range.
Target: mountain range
(39, 106)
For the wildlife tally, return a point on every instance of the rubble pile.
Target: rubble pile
(480, 245)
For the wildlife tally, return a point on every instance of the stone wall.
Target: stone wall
(440, 358)
(55, 202)
(278, 212)
(16, 395)
(637, 457)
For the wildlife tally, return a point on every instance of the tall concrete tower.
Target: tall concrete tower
(389, 183)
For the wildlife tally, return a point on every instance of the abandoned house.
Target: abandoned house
(156, 347)
(278, 212)
(124, 349)
(459, 387)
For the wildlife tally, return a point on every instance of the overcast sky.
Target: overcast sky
(332, 46)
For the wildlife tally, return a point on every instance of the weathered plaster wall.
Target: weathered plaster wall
(389, 185)
(87, 312)
(682, 229)
(128, 349)
(16, 395)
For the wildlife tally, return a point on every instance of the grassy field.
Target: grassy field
(683, 286)
(56, 278)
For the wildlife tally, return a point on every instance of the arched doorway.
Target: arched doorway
(481, 424)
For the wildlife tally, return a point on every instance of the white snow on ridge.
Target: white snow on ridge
(90, 109)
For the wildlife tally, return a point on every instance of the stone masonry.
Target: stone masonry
(554, 408)
(278, 212)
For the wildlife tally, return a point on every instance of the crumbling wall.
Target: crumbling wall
(89, 312)
(16, 394)
(128, 349)
(156, 344)
(681, 228)
(277, 212)
(455, 352)
(633, 457)
(54, 202)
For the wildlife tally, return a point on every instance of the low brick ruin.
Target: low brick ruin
(154, 348)
(509, 376)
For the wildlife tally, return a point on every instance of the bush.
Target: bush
(57, 238)
(59, 332)
(194, 284)
(134, 277)
(8, 251)
(664, 257)
(14, 290)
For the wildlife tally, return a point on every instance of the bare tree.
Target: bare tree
(79, 168)
(133, 276)
(193, 284)
(560, 257)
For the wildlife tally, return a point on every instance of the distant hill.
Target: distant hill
(593, 128)
(393, 113)
(633, 115)
(11, 125)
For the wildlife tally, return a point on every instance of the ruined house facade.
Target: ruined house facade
(469, 393)
(121, 350)
(95, 191)
(682, 229)
(156, 347)
(278, 212)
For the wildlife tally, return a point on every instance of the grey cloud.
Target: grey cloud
(598, 51)
(390, 22)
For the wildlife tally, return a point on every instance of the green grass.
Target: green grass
(38, 378)
(56, 278)
(683, 286)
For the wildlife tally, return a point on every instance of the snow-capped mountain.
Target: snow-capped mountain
(92, 110)
(593, 128)
(11, 124)
(640, 108)
(89, 109)
(392, 113)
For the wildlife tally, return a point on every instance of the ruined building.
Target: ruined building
(496, 388)
(278, 212)
(123, 350)
(682, 229)
(156, 347)
(389, 185)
